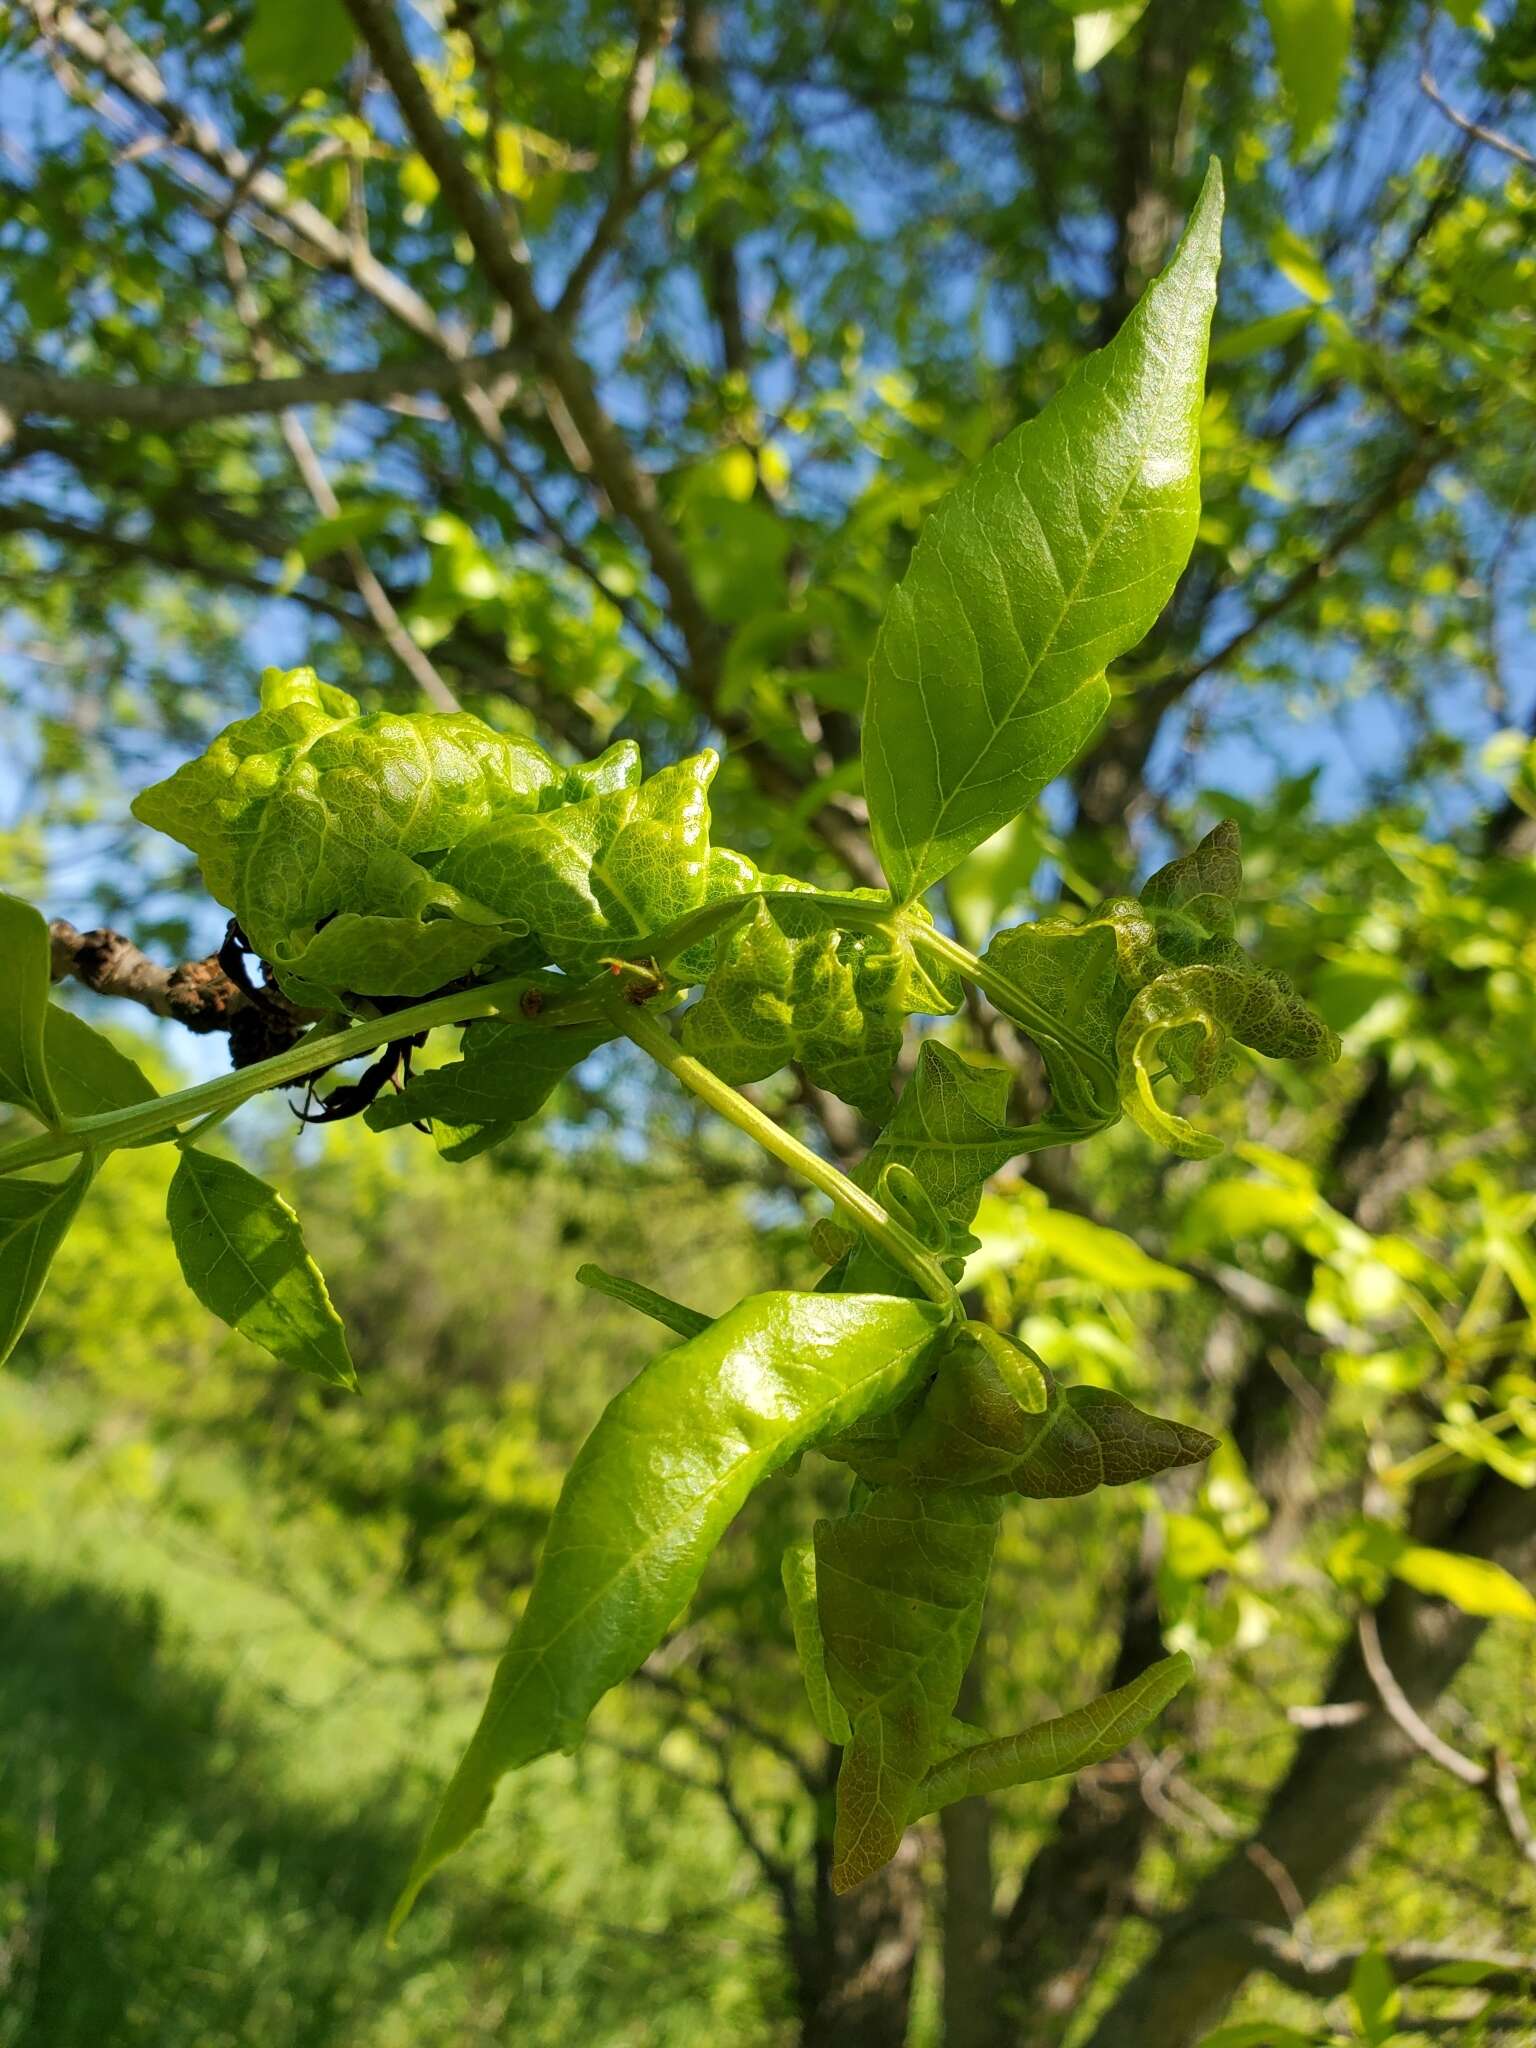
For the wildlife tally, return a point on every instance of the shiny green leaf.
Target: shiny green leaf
(1054, 557)
(511, 1066)
(89, 1075)
(674, 1456)
(242, 1254)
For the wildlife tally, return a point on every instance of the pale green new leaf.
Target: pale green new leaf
(242, 1254)
(674, 1456)
(25, 955)
(1184, 1019)
(1474, 1584)
(34, 1215)
(899, 1590)
(1051, 1749)
(1311, 50)
(798, 1571)
(1102, 29)
(1053, 558)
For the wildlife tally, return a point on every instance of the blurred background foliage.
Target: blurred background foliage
(808, 262)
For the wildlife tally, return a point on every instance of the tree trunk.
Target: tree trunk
(1337, 1787)
(970, 1929)
(855, 1963)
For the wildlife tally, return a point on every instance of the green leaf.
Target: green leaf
(951, 1131)
(899, 1590)
(972, 1429)
(1208, 1005)
(1474, 1584)
(90, 1076)
(25, 956)
(1053, 558)
(511, 1067)
(291, 45)
(673, 1458)
(309, 812)
(799, 1574)
(672, 1315)
(1147, 982)
(242, 1254)
(1311, 50)
(34, 1215)
(1258, 2034)
(1068, 971)
(788, 984)
(597, 879)
(1374, 1995)
(1051, 1749)
(1102, 29)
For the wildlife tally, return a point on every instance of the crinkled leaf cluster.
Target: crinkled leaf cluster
(1151, 985)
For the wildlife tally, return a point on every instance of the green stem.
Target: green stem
(1005, 995)
(166, 1113)
(899, 1246)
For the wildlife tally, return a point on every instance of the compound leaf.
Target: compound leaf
(25, 954)
(899, 1590)
(1053, 558)
(649, 1495)
(1088, 1735)
(242, 1254)
(34, 1215)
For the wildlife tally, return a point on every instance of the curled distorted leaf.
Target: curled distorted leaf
(1150, 982)
(899, 1590)
(789, 984)
(34, 1215)
(1088, 1735)
(511, 1066)
(599, 878)
(242, 1253)
(798, 1571)
(1051, 559)
(674, 1456)
(1184, 1020)
(25, 955)
(311, 808)
(976, 1426)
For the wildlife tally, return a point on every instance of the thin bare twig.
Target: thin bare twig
(392, 627)
(1405, 1714)
(1475, 129)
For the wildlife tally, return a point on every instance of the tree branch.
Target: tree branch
(506, 268)
(164, 408)
(1475, 129)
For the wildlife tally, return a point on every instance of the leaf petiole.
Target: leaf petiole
(879, 1227)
